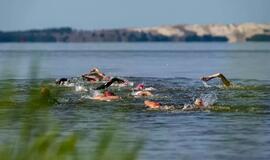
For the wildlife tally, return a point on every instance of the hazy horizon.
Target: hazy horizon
(101, 14)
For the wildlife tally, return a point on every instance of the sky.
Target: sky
(104, 14)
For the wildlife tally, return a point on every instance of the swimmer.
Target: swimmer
(141, 91)
(95, 75)
(152, 104)
(61, 81)
(224, 80)
(106, 96)
(64, 82)
(139, 87)
(198, 104)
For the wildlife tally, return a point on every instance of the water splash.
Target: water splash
(206, 85)
(95, 93)
(150, 89)
(209, 99)
(80, 88)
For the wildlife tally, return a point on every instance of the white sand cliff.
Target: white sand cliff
(234, 32)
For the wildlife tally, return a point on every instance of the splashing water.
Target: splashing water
(209, 99)
(150, 89)
(95, 93)
(79, 88)
(205, 84)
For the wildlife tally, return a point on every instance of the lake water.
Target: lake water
(238, 129)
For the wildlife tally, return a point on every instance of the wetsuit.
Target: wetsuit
(108, 84)
(61, 81)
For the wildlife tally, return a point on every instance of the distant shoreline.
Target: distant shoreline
(177, 33)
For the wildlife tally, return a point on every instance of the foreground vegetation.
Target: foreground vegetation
(39, 137)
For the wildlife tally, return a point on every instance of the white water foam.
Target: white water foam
(79, 88)
(205, 84)
(209, 99)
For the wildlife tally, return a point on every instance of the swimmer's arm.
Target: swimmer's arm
(109, 98)
(224, 80)
(89, 78)
(85, 75)
(108, 84)
(98, 75)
